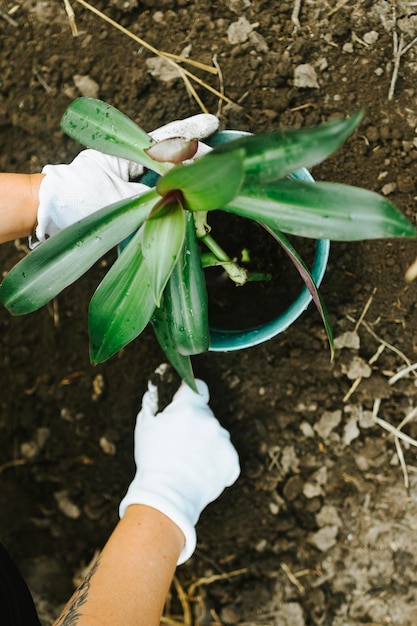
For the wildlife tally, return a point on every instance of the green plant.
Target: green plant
(159, 274)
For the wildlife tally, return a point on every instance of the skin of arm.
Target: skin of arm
(19, 202)
(129, 583)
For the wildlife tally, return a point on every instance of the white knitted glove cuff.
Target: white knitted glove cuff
(68, 193)
(167, 507)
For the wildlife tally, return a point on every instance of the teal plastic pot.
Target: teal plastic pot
(226, 340)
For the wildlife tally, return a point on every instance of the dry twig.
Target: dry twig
(188, 595)
(398, 49)
(382, 341)
(292, 577)
(295, 15)
(221, 85)
(71, 18)
(41, 80)
(208, 580)
(337, 8)
(14, 463)
(5, 16)
(185, 602)
(398, 435)
(172, 59)
(365, 309)
(397, 60)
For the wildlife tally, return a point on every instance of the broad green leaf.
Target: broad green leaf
(271, 156)
(322, 211)
(99, 125)
(207, 184)
(161, 323)
(163, 238)
(185, 298)
(62, 259)
(308, 280)
(122, 304)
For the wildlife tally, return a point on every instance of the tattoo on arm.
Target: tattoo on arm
(72, 611)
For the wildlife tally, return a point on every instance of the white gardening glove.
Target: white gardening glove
(94, 180)
(184, 459)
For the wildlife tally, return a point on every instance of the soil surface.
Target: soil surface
(320, 527)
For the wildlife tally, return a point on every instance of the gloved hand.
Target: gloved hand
(94, 180)
(184, 459)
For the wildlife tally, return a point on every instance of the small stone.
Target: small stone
(349, 339)
(388, 188)
(322, 64)
(350, 431)
(305, 76)
(274, 508)
(66, 506)
(238, 32)
(161, 69)
(328, 516)
(289, 460)
(86, 85)
(29, 450)
(312, 490)
(366, 419)
(261, 545)
(325, 538)
(290, 614)
(361, 462)
(327, 423)
(371, 37)
(98, 387)
(307, 429)
(158, 17)
(107, 446)
(358, 367)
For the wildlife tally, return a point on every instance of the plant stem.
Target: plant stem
(208, 259)
(236, 273)
(259, 276)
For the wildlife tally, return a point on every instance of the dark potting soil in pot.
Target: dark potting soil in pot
(254, 303)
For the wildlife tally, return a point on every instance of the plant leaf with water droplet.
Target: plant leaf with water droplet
(322, 211)
(62, 259)
(122, 304)
(162, 242)
(100, 126)
(185, 297)
(207, 184)
(162, 327)
(270, 156)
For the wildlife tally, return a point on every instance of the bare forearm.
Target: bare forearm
(19, 201)
(130, 581)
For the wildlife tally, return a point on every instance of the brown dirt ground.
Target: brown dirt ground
(320, 528)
